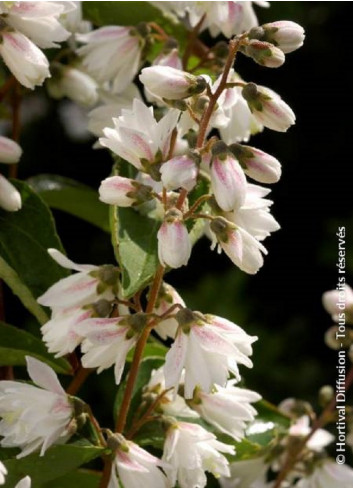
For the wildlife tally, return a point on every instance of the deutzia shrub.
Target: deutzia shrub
(175, 117)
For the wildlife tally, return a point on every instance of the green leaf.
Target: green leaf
(73, 197)
(8, 275)
(143, 377)
(15, 344)
(78, 478)
(25, 236)
(135, 244)
(56, 462)
(152, 350)
(131, 13)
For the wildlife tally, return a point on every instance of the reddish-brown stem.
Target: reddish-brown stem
(319, 423)
(140, 346)
(78, 380)
(104, 482)
(146, 416)
(4, 90)
(173, 139)
(198, 202)
(191, 42)
(158, 28)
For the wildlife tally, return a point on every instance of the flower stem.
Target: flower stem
(140, 346)
(78, 380)
(319, 423)
(146, 416)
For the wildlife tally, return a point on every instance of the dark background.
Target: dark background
(282, 303)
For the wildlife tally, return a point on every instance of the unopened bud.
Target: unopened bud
(257, 164)
(124, 192)
(174, 245)
(286, 35)
(265, 53)
(179, 172)
(326, 394)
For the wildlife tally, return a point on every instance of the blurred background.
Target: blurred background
(282, 303)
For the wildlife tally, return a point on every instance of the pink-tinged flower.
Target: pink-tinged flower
(265, 53)
(170, 58)
(179, 172)
(228, 181)
(139, 139)
(167, 297)
(112, 53)
(124, 192)
(286, 35)
(318, 441)
(208, 348)
(89, 285)
(227, 408)
(268, 108)
(133, 466)
(10, 198)
(34, 417)
(243, 249)
(72, 83)
(107, 341)
(174, 244)
(328, 473)
(190, 451)
(26, 62)
(257, 164)
(10, 151)
(337, 302)
(39, 21)
(247, 473)
(254, 215)
(170, 83)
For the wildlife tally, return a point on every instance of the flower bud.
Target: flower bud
(10, 198)
(27, 62)
(286, 35)
(170, 83)
(268, 108)
(174, 245)
(227, 178)
(257, 164)
(179, 172)
(124, 192)
(265, 53)
(10, 151)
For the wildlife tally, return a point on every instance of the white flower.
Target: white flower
(328, 473)
(254, 215)
(319, 440)
(3, 472)
(102, 116)
(139, 138)
(167, 297)
(227, 408)
(135, 467)
(72, 83)
(179, 172)
(170, 83)
(208, 347)
(247, 473)
(88, 286)
(286, 35)
(34, 417)
(268, 108)
(228, 181)
(25, 482)
(108, 341)
(10, 151)
(190, 451)
(112, 53)
(72, 20)
(27, 62)
(10, 198)
(257, 164)
(241, 247)
(338, 301)
(123, 192)
(39, 21)
(174, 244)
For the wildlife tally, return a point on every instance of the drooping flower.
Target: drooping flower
(264, 53)
(174, 244)
(208, 347)
(337, 301)
(285, 34)
(257, 164)
(34, 417)
(268, 108)
(133, 466)
(107, 341)
(227, 408)
(328, 473)
(179, 172)
(167, 297)
(124, 192)
(247, 473)
(190, 451)
(140, 139)
(112, 53)
(10, 153)
(319, 440)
